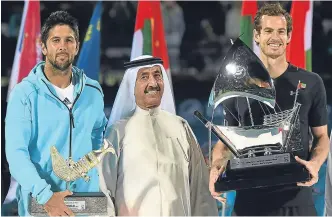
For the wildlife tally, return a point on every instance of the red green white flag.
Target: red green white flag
(299, 48)
(149, 36)
(248, 12)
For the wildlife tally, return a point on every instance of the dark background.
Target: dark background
(208, 28)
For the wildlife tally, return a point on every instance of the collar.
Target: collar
(151, 112)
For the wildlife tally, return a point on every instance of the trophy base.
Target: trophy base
(82, 204)
(263, 171)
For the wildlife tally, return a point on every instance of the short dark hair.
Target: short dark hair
(272, 9)
(59, 18)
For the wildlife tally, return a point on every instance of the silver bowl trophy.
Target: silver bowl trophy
(262, 155)
(81, 203)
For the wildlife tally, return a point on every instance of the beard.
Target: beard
(62, 67)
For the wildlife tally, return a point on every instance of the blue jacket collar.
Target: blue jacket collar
(38, 79)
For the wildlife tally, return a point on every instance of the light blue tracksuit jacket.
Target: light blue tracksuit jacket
(37, 119)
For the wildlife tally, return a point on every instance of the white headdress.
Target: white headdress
(125, 104)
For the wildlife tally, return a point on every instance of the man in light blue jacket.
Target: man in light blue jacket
(56, 104)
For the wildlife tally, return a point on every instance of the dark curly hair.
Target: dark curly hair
(272, 9)
(59, 18)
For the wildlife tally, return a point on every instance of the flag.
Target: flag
(299, 54)
(149, 36)
(302, 85)
(299, 48)
(248, 12)
(89, 57)
(27, 55)
(28, 48)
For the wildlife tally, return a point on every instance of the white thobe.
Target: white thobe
(158, 168)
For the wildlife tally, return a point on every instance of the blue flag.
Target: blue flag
(89, 58)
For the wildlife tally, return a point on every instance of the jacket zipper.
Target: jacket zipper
(71, 118)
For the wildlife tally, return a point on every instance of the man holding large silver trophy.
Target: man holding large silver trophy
(54, 130)
(269, 104)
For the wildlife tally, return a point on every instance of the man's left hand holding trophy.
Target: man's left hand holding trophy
(56, 111)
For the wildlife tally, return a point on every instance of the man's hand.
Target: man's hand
(215, 172)
(56, 206)
(313, 168)
(220, 156)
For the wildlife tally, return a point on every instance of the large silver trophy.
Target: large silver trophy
(262, 155)
(81, 203)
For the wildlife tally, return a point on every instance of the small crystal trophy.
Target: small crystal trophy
(262, 155)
